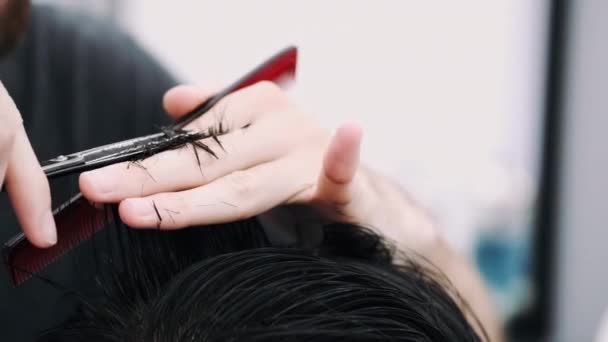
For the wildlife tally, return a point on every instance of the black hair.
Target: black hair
(228, 283)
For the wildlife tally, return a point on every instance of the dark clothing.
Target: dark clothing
(78, 83)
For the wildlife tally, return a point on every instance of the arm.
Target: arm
(403, 221)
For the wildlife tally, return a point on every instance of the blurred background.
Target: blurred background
(450, 94)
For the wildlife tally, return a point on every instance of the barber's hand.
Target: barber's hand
(21, 175)
(274, 154)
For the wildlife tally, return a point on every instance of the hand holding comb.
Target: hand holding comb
(77, 220)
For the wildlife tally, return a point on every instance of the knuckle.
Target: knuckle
(242, 184)
(9, 115)
(181, 212)
(8, 133)
(268, 88)
(272, 95)
(175, 211)
(6, 138)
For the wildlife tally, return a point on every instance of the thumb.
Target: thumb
(340, 165)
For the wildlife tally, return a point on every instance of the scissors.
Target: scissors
(280, 67)
(77, 219)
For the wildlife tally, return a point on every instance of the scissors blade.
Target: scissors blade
(98, 156)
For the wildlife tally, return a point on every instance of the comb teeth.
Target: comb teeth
(77, 220)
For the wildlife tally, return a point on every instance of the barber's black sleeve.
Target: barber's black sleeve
(78, 82)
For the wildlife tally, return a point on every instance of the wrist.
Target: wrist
(392, 213)
(402, 221)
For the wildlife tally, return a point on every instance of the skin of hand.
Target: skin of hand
(274, 154)
(21, 175)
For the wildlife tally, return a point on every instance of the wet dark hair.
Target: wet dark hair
(227, 283)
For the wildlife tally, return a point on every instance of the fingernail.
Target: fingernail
(100, 183)
(48, 228)
(138, 207)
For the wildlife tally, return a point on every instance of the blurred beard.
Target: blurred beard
(13, 21)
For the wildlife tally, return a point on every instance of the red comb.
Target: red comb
(77, 220)
(280, 67)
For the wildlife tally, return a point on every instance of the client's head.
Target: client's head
(227, 283)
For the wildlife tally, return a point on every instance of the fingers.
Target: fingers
(29, 192)
(237, 196)
(10, 122)
(180, 169)
(263, 141)
(239, 109)
(7, 137)
(2, 170)
(184, 98)
(25, 181)
(340, 165)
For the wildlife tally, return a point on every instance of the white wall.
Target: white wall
(449, 92)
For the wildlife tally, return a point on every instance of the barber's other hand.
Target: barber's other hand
(21, 175)
(274, 154)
